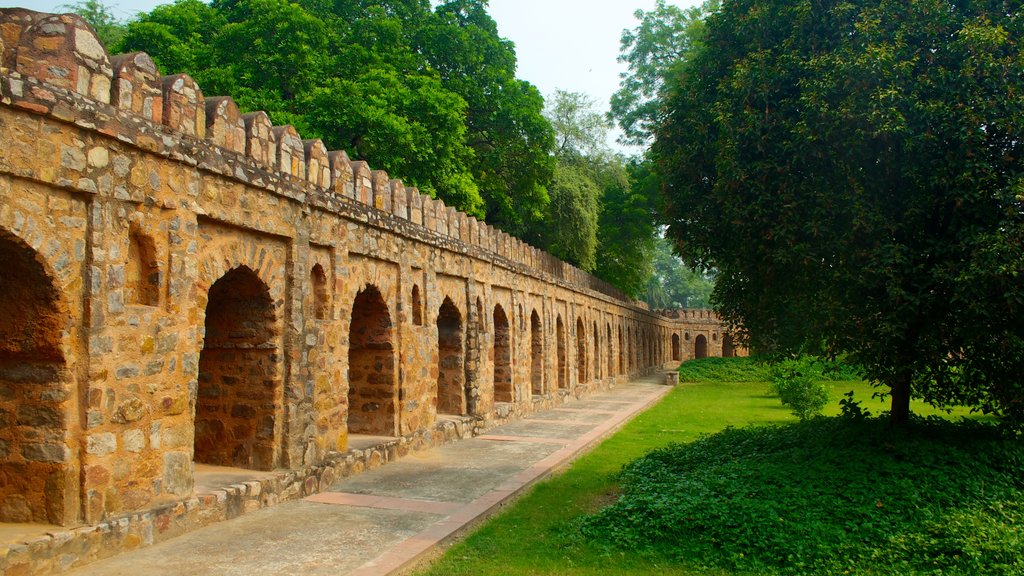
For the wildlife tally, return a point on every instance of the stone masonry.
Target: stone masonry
(183, 283)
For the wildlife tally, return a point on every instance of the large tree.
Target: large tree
(660, 43)
(853, 170)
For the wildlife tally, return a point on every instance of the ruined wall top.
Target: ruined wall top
(45, 52)
(690, 314)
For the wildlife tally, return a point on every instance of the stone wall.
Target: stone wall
(184, 283)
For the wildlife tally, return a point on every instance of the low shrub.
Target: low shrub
(828, 496)
(798, 384)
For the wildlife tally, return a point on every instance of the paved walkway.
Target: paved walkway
(383, 520)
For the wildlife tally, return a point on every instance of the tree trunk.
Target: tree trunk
(899, 412)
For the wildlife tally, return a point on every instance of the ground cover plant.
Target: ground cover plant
(546, 531)
(829, 496)
(751, 369)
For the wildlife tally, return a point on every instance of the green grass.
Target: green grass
(540, 533)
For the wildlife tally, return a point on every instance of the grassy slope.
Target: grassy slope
(537, 535)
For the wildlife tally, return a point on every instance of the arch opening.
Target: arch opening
(700, 347)
(238, 400)
(581, 352)
(536, 355)
(501, 356)
(38, 476)
(611, 351)
(622, 353)
(372, 388)
(451, 371)
(728, 347)
(561, 359)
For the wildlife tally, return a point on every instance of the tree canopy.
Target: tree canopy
(429, 95)
(853, 171)
(653, 51)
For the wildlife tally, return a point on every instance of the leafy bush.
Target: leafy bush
(734, 369)
(798, 384)
(828, 496)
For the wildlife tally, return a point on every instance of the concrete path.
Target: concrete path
(383, 520)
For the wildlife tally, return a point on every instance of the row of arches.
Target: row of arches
(701, 346)
(238, 406)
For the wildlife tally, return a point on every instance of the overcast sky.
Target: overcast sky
(567, 44)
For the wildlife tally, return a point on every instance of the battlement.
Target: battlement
(62, 51)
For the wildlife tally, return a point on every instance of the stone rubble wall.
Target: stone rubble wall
(202, 275)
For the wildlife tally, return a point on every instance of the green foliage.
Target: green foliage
(853, 173)
(797, 383)
(109, 28)
(660, 44)
(626, 229)
(505, 127)
(430, 96)
(735, 369)
(806, 498)
(675, 285)
(570, 229)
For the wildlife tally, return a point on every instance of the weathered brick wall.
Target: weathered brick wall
(185, 283)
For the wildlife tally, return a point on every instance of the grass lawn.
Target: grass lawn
(539, 534)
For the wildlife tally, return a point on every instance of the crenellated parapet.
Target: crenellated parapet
(62, 51)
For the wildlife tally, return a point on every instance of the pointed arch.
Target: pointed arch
(728, 346)
(239, 395)
(622, 353)
(562, 361)
(501, 356)
(451, 360)
(611, 349)
(536, 355)
(38, 470)
(676, 349)
(372, 382)
(700, 347)
(581, 352)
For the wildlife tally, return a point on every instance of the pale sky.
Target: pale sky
(567, 44)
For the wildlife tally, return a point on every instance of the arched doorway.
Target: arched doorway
(622, 352)
(451, 369)
(700, 347)
(611, 349)
(536, 355)
(38, 474)
(630, 356)
(581, 352)
(597, 352)
(728, 348)
(372, 390)
(560, 344)
(675, 348)
(501, 356)
(238, 401)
